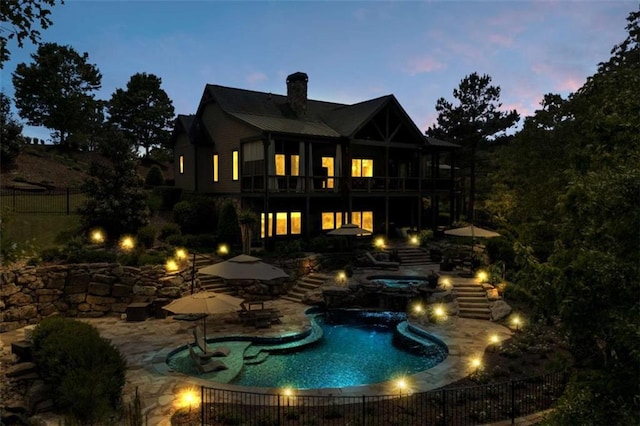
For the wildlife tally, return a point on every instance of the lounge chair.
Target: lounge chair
(207, 352)
(381, 263)
(206, 365)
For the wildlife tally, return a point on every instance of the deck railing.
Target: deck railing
(457, 406)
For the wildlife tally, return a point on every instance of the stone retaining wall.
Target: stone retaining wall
(30, 293)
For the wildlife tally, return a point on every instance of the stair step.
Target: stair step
(473, 300)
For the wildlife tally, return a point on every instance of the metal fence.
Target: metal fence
(460, 406)
(45, 201)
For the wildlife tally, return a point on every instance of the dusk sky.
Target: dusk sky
(351, 50)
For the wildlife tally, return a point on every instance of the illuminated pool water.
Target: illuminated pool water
(352, 351)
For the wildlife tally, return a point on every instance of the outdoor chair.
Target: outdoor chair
(206, 365)
(207, 352)
(385, 264)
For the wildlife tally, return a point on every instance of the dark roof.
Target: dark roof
(347, 119)
(440, 143)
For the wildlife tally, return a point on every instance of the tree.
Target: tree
(228, 226)
(247, 220)
(116, 199)
(473, 122)
(143, 111)
(55, 91)
(18, 18)
(10, 133)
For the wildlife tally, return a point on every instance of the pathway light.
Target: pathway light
(342, 277)
(97, 236)
(188, 397)
(127, 243)
(414, 240)
(171, 265)
(379, 242)
(476, 363)
(223, 249)
(516, 322)
(482, 276)
(181, 254)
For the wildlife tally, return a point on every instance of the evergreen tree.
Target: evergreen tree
(116, 199)
(11, 133)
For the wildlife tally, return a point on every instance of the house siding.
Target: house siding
(226, 133)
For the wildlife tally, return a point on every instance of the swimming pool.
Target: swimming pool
(346, 349)
(398, 281)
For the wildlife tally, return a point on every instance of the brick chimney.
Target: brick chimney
(297, 93)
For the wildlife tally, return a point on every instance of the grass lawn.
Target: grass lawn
(38, 231)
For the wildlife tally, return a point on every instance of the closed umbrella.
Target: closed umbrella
(205, 302)
(244, 267)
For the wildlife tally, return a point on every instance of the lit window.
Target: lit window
(327, 163)
(236, 165)
(356, 218)
(181, 162)
(215, 167)
(328, 220)
(262, 225)
(296, 223)
(367, 221)
(279, 164)
(265, 225)
(281, 224)
(295, 165)
(361, 167)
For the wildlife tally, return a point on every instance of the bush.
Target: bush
(288, 248)
(319, 244)
(201, 241)
(168, 230)
(228, 226)
(147, 236)
(85, 371)
(196, 216)
(170, 196)
(154, 177)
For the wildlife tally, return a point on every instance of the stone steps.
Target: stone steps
(304, 285)
(210, 282)
(472, 301)
(412, 256)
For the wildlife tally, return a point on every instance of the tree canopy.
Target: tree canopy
(56, 90)
(10, 132)
(473, 121)
(18, 19)
(143, 111)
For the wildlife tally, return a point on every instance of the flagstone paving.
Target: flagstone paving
(145, 345)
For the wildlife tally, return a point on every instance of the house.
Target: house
(307, 166)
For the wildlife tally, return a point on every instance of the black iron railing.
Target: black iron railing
(42, 201)
(460, 406)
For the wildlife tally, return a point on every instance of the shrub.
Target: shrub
(319, 244)
(85, 371)
(154, 176)
(196, 216)
(200, 241)
(170, 196)
(168, 230)
(147, 236)
(288, 248)
(228, 226)
(424, 236)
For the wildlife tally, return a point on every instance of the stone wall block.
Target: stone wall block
(120, 308)
(131, 270)
(83, 307)
(79, 278)
(19, 299)
(171, 281)
(99, 289)
(140, 290)
(61, 306)
(100, 300)
(173, 292)
(117, 270)
(26, 278)
(9, 289)
(120, 290)
(6, 278)
(47, 310)
(20, 313)
(46, 295)
(76, 298)
(56, 281)
(76, 288)
(104, 278)
(101, 308)
(37, 283)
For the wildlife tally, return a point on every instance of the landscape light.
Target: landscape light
(342, 276)
(97, 236)
(379, 242)
(171, 265)
(287, 391)
(446, 282)
(181, 254)
(516, 322)
(188, 398)
(401, 384)
(494, 339)
(223, 249)
(482, 276)
(476, 363)
(414, 240)
(127, 243)
(439, 311)
(417, 308)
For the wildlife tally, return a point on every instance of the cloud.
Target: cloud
(501, 39)
(424, 65)
(255, 77)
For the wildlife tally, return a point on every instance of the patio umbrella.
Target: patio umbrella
(205, 302)
(472, 232)
(244, 267)
(349, 229)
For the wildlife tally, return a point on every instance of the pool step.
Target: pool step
(304, 285)
(257, 359)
